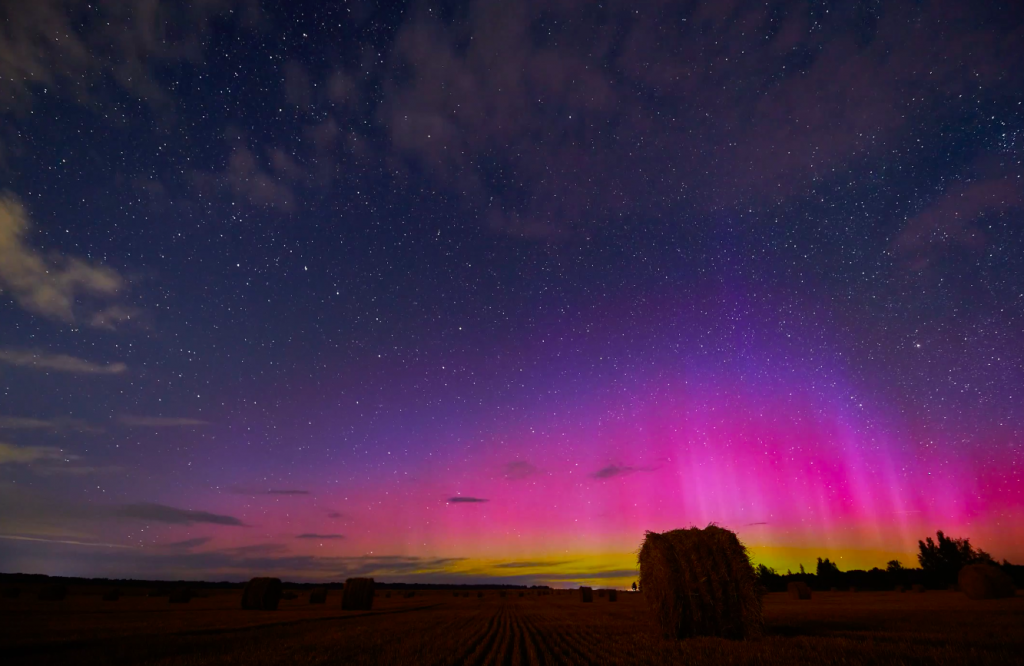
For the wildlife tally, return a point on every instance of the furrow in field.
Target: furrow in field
(482, 646)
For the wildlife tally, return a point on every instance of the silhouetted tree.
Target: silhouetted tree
(634, 586)
(948, 556)
(895, 566)
(827, 569)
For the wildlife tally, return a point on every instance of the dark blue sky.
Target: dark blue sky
(248, 247)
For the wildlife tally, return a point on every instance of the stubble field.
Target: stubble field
(436, 628)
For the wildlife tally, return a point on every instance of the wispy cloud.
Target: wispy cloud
(53, 286)
(10, 453)
(519, 469)
(160, 422)
(459, 499)
(22, 423)
(15, 537)
(311, 535)
(40, 360)
(613, 471)
(287, 492)
(534, 564)
(189, 543)
(161, 513)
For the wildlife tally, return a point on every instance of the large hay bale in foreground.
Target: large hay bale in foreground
(262, 594)
(798, 590)
(53, 592)
(699, 582)
(586, 594)
(358, 594)
(985, 581)
(112, 595)
(318, 596)
(613, 595)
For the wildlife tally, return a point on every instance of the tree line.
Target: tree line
(939, 560)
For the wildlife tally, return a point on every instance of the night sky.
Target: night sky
(443, 291)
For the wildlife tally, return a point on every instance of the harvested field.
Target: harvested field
(435, 628)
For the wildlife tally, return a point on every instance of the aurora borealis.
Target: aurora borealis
(464, 291)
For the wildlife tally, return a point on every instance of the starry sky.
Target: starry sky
(464, 291)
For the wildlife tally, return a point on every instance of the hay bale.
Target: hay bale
(10, 592)
(387, 595)
(53, 592)
(261, 594)
(613, 595)
(112, 595)
(358, 594)
(586, 594)
(318, 596)
(466, 594)
(917, 587)
(521, 594)
(699, 582)
(409, 595)
(899, 588)
(985, 581)
(798, 590)
(479, 595)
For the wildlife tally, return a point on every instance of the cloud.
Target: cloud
(22, 423)
(310, 535)
(28, 454)
(167, 514)
(40, 360)
(519, 469)
(264, 182)
(160, 422)
(78, 47)
(458, 499)
(536, 564)
(541, 115)
(949, 221)
(287, 492)
(15, 537)
(53, 286)
(189, 543)
(613, 471)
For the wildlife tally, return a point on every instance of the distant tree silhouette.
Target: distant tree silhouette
(948, 556)
(827, 569)
(634, 586)
(895, 566)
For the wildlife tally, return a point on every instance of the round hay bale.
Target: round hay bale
(112, 595)
(799, 590)
(586, 594)
(521, 594)
(409, 595)
(318, 596)
(53, 592)
(358, 594)
(985, 581)
(262, 594)
(699, 582)
(613, 595)
(917, 587)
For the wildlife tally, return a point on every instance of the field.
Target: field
(434, 627)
